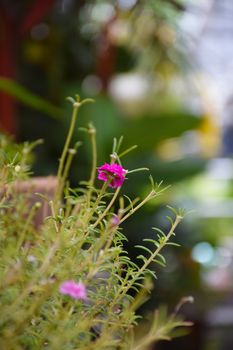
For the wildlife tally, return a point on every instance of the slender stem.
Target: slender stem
(98, 199)
(109, 241)
(49, 257)
(76, 106)
(132, 211)
(155, 336)
(107, 208)
(125, 289)
(28, 287)
(54, 216)
(66, 169)
(41, 270)
(54, 246)
(107, 238)
(92, 132)
(27, 223)
(156, 252)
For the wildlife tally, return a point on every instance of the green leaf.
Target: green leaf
(149, 240)
(170, 220)
(176, 170)
(174, 244)
(29, 99)
(162, 258)
(159, 262)
(127, 151)
(159, 230)
(142, 257)
(138, 284)
(152, 273)
(144, 248)
(157, 128)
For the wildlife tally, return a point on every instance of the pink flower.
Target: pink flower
(73, 289)
(113, 173)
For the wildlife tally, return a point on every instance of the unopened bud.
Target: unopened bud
(38, 205)
(72, 151)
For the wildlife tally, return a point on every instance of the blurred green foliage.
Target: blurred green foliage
(29, 99)
(78, 41)
(67, 45)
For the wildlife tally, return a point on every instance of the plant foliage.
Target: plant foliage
(80, 240)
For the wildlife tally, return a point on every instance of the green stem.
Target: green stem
(76, 106)
(27, 223)
(71, 154)
(92, 132)
(98, 199)
(54, 216)
(147, 263)
(40, 272)
(132, 211)
(107, 238)
(107, 208)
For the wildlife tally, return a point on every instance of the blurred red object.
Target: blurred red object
(15, 25)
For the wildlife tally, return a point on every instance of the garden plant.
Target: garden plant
(67, 282)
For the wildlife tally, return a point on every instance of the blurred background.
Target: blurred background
(161, 73)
